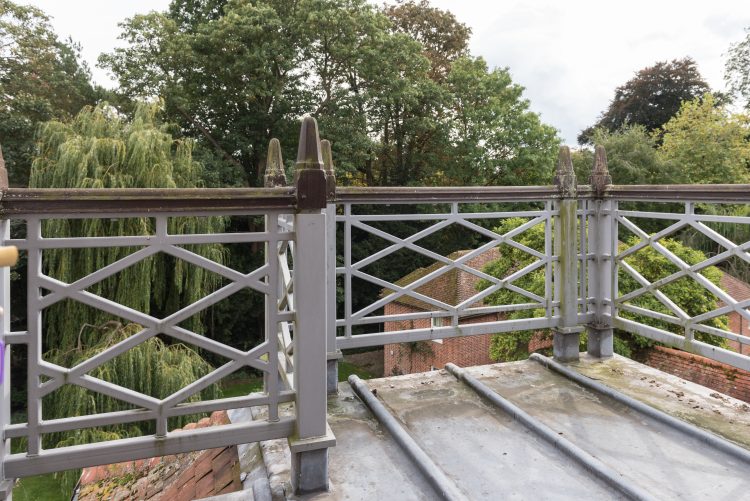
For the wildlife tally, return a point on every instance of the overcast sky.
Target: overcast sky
(569, 55)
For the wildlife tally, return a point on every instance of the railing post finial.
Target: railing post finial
(309, 177)
(274, 176)
(329, 169)
(600, 177)
(3, 172)
(565, 178)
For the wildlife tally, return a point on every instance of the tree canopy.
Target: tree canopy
(99, 149)
(651, 97)
(737, 69)
(41, 78)
(707, 144)
(389, 86)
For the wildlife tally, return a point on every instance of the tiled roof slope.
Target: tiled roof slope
(735, 287)
(452, 287)
(180, 477)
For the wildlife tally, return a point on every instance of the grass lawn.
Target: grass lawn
(346, 369)
(241, 387)
(39, 488)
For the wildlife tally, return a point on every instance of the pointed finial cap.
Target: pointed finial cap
(3, 172)
(565, 178)
(325, 145)
(274, 176)
(309, 155)
(309, 177)
(600, 177)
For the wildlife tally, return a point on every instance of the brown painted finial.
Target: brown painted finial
(274, 176)
(600, 177)
(309, 176)
(565, 178)
(3, 172)
(325, 144)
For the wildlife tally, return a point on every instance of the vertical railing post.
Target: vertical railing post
(273, 177)
(333, 353)
(310, 444)
(567, 332)
(600, 228)
(6, 484)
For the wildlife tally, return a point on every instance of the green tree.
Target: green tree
(443, 38)
(633, 157)
(494, 137)
(236, 73)
(100, 149)
(686, 293)
(737, 69)
(707, 144)
(41, 78)
(651, 97)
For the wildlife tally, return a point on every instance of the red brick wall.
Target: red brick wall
(408, 358)
(739, 325)
(715, 375)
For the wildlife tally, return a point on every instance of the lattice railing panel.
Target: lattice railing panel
(683, 271)
(418, 272)
(45, 377)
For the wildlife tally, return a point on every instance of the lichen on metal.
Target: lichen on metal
(565, 177)
(274, 176)
(3, 172)
(600, 178)
(329, 169)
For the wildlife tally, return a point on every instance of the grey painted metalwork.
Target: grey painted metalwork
(369, 316)
(600, 245)
(568, 282)
(586, 460)
(312, 437)
(688, 219)
(6, 482)
(38, 460)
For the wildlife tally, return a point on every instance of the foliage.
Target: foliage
(707, 143)
(41, 78)
(514, 346)
(633, 157)
(152, 368)
(688, 294)
(651, 97)
(389, 86)
(495, 139)
(685, 292)
(737, 69)
(98, 149)
(443, 38)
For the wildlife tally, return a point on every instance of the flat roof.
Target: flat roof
(488, 454)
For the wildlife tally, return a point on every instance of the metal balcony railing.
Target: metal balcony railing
(324, 291)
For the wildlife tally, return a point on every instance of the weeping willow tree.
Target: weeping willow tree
(100, 148)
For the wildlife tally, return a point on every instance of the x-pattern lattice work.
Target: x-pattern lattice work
(677, 315)
(466, 306)
(261, 357)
